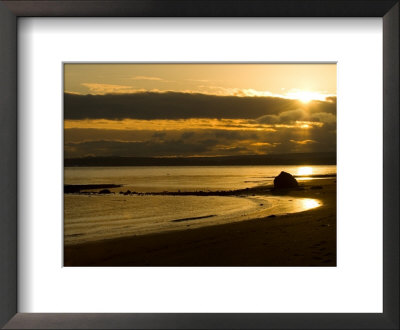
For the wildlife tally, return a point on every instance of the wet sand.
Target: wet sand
(300, 239)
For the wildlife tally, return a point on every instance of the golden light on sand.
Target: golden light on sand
(305, 170)
(309, 203)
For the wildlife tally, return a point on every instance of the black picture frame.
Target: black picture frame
(9, 13)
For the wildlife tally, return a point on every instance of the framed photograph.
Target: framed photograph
(199, 164)
(181, 164)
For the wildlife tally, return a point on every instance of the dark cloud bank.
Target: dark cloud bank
(173, 105)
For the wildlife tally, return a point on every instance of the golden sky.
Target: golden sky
(170, 110)
(219, 79)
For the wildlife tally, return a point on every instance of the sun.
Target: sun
(306, 96)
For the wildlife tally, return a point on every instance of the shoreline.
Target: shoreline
(306, 238)
(89, 189)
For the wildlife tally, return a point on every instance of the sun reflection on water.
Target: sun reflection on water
(305, 170)
(309, 203)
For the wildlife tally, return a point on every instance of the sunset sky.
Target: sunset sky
(175, 110)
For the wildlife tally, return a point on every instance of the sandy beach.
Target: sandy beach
(299, 239)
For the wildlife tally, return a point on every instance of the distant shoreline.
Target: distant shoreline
(321, 158)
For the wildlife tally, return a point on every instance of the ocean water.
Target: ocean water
(96, 217)
(188, 178)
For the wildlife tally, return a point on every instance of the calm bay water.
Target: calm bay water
(187, 178)
(95, 217)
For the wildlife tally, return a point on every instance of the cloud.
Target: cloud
(239, 92)
(83, 135)
(305, 114)
(152, 124)
(147, 78)
(323, 117)
(207, 142)
(262, 144)
(303, 142)
(171, 105)
(158, 135)
(137, 148)
(331, 99)
(167, 124)
(199, 80)
(102, 89)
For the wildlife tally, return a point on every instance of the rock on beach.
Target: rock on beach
(285, 180)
